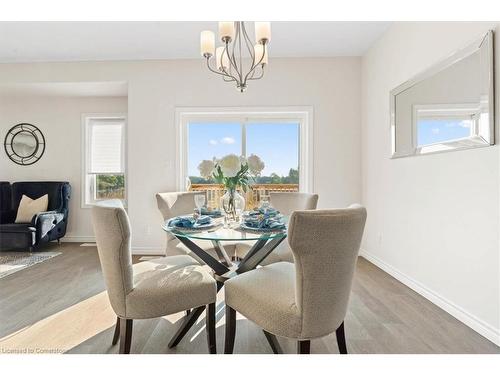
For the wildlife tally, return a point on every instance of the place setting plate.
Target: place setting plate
(247, 228)
(276, 215)
(214, 224)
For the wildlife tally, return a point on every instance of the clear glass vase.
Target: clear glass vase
(233, 204)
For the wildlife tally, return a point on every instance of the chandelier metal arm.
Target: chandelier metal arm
(251, 52)
(239, 45)
(254, 66)
(230, 77)
(223, 74)
(249, 45)
(231, 58)
(230, 67)
(212, 69)
(228, 74)
(251, 78)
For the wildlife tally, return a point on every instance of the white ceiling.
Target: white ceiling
(98, 41)
(71, 89)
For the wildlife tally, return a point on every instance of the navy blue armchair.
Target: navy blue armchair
(45, 226)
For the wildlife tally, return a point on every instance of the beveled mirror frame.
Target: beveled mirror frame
(480, 140)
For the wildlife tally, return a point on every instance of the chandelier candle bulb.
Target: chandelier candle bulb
(259, 51)
(226, 31)
(207, 43)
(262, 32)
(222, 59)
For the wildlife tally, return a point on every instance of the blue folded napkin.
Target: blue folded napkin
(203, 220)
(213, 213)
(262, 222)
(189, 221)
(271, 211)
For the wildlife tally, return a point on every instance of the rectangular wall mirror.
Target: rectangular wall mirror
(450, 106)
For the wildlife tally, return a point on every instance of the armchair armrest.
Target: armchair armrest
(44, 215)
(45, 221)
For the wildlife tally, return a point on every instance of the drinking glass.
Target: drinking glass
(264, 203)
(199, 201)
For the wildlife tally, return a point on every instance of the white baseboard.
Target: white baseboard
(71, 238)
(478, 325)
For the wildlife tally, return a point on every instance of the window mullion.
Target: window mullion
(244, 138)
(93, 189)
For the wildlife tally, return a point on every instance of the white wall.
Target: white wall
(59, 119)
(332, 86)
(433, 221)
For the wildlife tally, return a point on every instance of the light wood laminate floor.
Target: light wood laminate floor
(61, 306)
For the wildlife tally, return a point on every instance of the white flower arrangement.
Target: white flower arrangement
(230, 165)
(232, 170)
(255, 165)
(206, 168)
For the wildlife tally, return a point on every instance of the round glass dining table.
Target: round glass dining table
(223, 267)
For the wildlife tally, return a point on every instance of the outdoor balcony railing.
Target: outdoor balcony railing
(252, 196)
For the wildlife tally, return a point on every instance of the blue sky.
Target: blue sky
(433, 131)
(275, 143)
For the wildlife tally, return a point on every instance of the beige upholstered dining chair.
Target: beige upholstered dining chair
(149, 289)
(174, 204)
(308, 299)
(286, 203)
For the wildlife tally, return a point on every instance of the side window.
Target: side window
(104, 174)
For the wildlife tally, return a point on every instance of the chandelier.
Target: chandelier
(238, 60)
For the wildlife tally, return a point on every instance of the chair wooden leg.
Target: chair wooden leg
(230, 330)
(125, 335)
(304, 347)
(210, 323)
(340, 333)
(273, 342)
(116, 335)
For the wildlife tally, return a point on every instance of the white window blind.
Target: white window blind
(106, 146)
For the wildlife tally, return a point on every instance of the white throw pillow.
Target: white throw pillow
(30, 207)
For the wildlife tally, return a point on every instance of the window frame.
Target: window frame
(464, 111)
(303, 115)
(87, 188)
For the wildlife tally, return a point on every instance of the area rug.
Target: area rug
(11, 262)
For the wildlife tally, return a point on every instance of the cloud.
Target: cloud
(461, 123)
(435, 130)
(213, 142)
(227, 140)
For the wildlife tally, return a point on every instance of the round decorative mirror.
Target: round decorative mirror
(24, 144)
